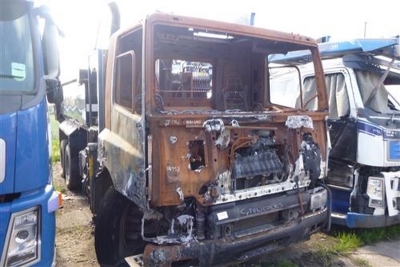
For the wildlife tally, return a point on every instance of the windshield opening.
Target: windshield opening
(385, 96)
(217, 72)
(16, 52)
(196, 73)
(394, 96)
(184, 82)
(285, 86)
(288, 90)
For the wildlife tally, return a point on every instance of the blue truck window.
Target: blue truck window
(16, 56)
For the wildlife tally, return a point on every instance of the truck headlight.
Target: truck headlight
(375, 191)
(23, 244)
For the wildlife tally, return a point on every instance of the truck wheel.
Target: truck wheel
(117, 229)
(63, 145)
(71, 166)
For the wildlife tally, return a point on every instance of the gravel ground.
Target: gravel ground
(74, 233)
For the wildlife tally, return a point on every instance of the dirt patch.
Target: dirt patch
(311, 253)
(74, 233)
(75, 239)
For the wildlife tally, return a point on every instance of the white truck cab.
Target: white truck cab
(363, 82)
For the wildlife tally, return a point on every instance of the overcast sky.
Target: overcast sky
(341, 19)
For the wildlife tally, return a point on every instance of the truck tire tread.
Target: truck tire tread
(111, 242)
(72, 176)
(63, 145)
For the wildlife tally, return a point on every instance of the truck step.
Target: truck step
(135, 261)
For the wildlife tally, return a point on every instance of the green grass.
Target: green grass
(370, 236)
(60, 188)
(347, 242)
(54, 126)
(340, 241)
(55, 151)
(362, 263)
(361, 237)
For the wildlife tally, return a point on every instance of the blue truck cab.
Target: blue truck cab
(363, 82)
(29, 70)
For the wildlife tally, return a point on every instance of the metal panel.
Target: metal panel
(32, 165)
(387, 47)
(394, 150)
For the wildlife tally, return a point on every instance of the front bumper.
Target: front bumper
(228, 249)
(358, 220)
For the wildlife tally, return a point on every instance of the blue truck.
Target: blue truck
(363, 83)
(29, 70)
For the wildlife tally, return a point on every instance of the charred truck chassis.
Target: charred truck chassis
(195, 165)
(277, 201)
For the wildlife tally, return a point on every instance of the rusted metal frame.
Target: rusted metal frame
(229, 249)
(149, 168)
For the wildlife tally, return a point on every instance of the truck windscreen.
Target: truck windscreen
(16, 53)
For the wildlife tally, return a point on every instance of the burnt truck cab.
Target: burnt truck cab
(198, 162)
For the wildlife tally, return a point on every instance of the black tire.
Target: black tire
(117, 229)
(63, 145)
(72, 178)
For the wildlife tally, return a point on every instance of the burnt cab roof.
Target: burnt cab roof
(233, 32)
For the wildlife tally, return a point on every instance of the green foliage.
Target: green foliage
(55, 151)
(370, 236)
(393, 232)
(54, 127)
(362, 262)
(347, 242)
(60, 188)
(322, 257)
(340, 241)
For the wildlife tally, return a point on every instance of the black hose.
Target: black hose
(328, 227)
